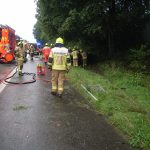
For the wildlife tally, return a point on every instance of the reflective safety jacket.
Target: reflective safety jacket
(75, 54)
(20, 53)
(59, 58)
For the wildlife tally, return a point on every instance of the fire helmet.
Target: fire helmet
(60, 40)
(20, 43)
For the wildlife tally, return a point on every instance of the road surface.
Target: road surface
(33, 119)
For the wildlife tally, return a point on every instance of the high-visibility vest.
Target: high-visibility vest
(75, 54)
(60, 58)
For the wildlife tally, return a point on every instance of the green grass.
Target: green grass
(125, 101)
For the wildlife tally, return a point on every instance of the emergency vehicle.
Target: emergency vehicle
(7, 43)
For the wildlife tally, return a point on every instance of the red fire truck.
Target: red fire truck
(7, 43)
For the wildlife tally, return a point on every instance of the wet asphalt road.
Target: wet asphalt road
(33, 119)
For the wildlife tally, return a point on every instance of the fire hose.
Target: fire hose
(24, 73)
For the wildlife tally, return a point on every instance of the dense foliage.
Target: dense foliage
(108, 28)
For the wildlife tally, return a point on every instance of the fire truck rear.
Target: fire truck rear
(7, 43)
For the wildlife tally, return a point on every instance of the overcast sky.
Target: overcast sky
(20, 15)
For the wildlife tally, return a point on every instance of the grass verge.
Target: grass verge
(123, 97)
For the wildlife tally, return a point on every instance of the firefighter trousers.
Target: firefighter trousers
(75, 62)
(20, 61)
(58, 77)
(84, 62)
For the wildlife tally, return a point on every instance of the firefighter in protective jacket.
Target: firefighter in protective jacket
(59, 62)
(46, 51)
(20, 55)
(32, 49)
(75, 57)
(84, 58)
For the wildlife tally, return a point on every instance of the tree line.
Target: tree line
(107, 28)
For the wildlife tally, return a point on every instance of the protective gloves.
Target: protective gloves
(49, 66)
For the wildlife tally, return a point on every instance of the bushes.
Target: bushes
(139, 59)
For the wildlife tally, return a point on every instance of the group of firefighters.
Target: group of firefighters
(78, 57)
(59, 60)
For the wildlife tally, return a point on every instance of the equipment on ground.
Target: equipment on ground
(7, 43)
(33, 75)
(40, 69)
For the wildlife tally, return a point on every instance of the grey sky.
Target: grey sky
(20, 15)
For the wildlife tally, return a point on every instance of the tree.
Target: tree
(108, 27)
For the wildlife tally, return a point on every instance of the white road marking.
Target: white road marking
(3, 85)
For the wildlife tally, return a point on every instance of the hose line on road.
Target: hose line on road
(24, 73)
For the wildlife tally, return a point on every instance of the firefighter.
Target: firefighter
(45, 52)
(75, 57)
(31, 51)
(16, 49)
(59, 62)
(25, 47)
(20, 55)
(84, 58)
(70, 53)
(80, 61)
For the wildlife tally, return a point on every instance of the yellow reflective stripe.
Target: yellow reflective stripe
(54, 87)
(20, 58)
(60, 89)
(19, 68)
(59, 67)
